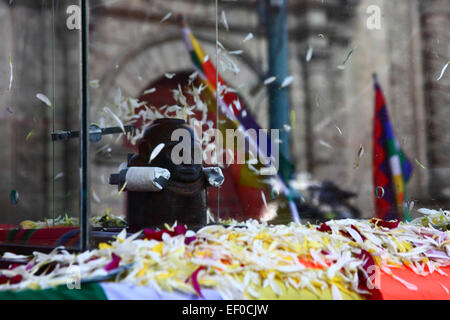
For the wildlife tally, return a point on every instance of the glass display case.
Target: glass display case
(279, 98)
(40, 94)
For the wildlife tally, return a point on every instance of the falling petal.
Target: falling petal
(287, 128)
(166, 17)
(287, 81)
(269, 80)
(411, 206)
(169, 75)
(248, 37)
(116, 118)
(237, 104)
(193, 75)
(263, 196)
(94, 84)
(150, 91)
(377, 192)
(338, 129)
(14, 197)
(420, 165)
(443, 71)
(360, 151)
(9, 110)
(341, 67)
(10, 73)
(325, 144)
(122, 189)
(236, 52)
(44, 99)
(348, 56)
(59, 176)
(321, 36)
(156, 151)
(309, 53)
(224, 20)
(95, 196)
(29, 135)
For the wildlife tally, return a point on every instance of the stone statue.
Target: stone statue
(162, 191)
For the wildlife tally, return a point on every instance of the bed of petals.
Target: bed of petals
(239, 259)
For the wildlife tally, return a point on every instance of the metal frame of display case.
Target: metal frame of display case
(84, 131)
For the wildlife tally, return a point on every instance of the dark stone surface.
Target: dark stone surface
(184, 198)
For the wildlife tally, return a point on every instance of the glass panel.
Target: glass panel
(137, 58)
(40, 95)
(303, 68)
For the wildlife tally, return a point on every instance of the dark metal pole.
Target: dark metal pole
(84, 131)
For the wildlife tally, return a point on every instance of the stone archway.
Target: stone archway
(132, 70)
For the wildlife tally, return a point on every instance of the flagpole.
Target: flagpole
(277, 38)
(375, 77)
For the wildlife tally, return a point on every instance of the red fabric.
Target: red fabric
(40, 237)
(429, 287)
(383, 205)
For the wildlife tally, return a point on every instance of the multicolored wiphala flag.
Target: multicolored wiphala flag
(391, 169)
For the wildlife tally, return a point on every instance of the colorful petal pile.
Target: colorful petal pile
(240, 259)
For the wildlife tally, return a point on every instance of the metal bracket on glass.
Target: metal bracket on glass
(95, 133)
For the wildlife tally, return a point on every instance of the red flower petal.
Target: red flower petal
(16, 279)
(188, 240)
(356, 229)
(13, 266)
(150, 234)
(370, 268)
(324, 227)
(114, 263)
(195, 283)
(385, 224)
(180, 229)
(3, 279)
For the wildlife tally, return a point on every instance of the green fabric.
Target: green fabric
(28, 233)
(12, 234)
(88, 291)
(196, 60)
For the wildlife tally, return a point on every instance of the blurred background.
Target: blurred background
(332, 49)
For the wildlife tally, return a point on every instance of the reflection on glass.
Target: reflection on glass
(39, 190)
(304, 68)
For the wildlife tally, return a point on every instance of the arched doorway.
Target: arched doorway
(161, 95)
